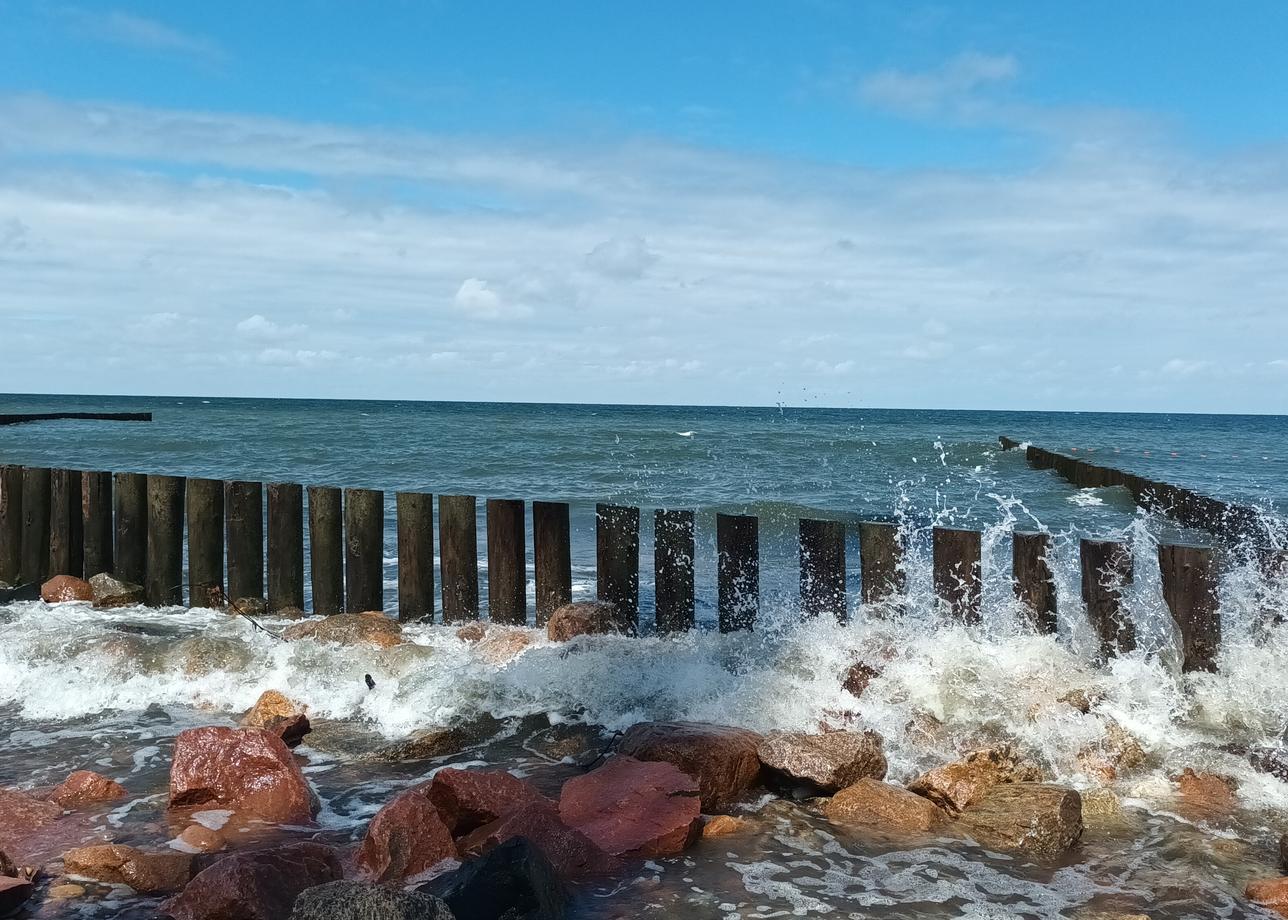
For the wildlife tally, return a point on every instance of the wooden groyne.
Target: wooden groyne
(23, 418)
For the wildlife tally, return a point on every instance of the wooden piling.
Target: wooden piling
(552, 557)
(507, 581)
(205, 501)
(617, 562)
(130, 497)
(673, 551)
(737, 571)
(1190, 590)
(66, 549)
(458, 557)
(35, 525)
(1106, 572)
(285, 547)
(326, 549)
(10, 524)
(96, 522)
(244, 509)
(957, 571)
(881, 574)
(164, 584)
(1031, 574)
(364, 550)
(822, 562)
(415, 515)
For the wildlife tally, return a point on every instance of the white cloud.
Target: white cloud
(950, 87)
(286, 357)
(621, 257)
(1181, 367)
(477, 299)
(122, 28)
(261, 327)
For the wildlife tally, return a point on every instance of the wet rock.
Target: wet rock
(406, 837)
(956, 785)
(1206, 794)
(14, 892)
(197, 656)
(85, 787)
(1118, 752)
(501, 646)
(370, 628)
(472, 632)
(249, 606)
(1272, 760)
(248, 770)
(513, 880)
(568, 741)
(359, 901)
(1079, 699)
(277, 713)
(872, 803)
(438, 742)
(468, 799)
(829, 761)
(857, 677)
(64, 588)
(154, 715)
(1039, 819)
(289, 613)
(1101, 803)
(109, 592)
(65, 892)
(122, 865)
(256, 885)
(1283, 851)
(572, 853)
(21, 816)
(634, 808)
(1270, 893)
(583, 618)
(722, 759)
(197, 838)
(215, 598)
(724, 825)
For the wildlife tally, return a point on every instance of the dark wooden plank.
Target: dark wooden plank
(96, 522)
(205, 501)
(1031, 574)
(164, 584)
(10, 524)
(285, 547)
(552, 557)
(673, 553)
(364, 550)
(1106, 573)
(326, 549)
(130, 497)
(957, 571)
(822, 562)
(507, 581)
(1190, 590)
(459, 557)
(244, 508)
(737, 571)
(617, 562)
(881, 574)
(415, 512)
(35, 525)
(66, 547)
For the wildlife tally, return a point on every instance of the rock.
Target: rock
(85, 787)
(1272, 760)
(1206, 794)
(956, 785)
(568, 741)
(197, 838)
(583, 618)
(857, 677)
(1101, 803)
(1271, 893)
(1116, 753)
(196, 656)
(830, 761)
(289, 613)
(724, 825)
(122, 865)
(471, 632)
(438, 742)
(255, 885)
(722, 759)
(248, 770)
(1079, 699)
(886, 807)
(359, 901)
(572, 853)
(1039, 819)
(468, 799)
(634, 808)
(65, 892)
(110, 592)
(406, 837)
(14, 892)
(64, 588)
(370, 628)
(21, 816)
(249, 606)
(1283, 851)
(513, 880)
(501, 646)
(275, 712)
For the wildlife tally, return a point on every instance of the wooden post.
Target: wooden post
(822, 561)
(415, 513)
(96, 522)
(364, 550)
(552, 557)
(164, 585)
(1189, 587)
(737, 571)
(205, 501)
(458, 552)
(1031, 573)
(1106, 572)
(673, 551)
(326, 549)
(66, 549)
(617, 562)
(957, 571)
(10, 524)
(507, 581)
(285, 547)
(244, 507)
(881, 574)
(35, 525)
(131, 500)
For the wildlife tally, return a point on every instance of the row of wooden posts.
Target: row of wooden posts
(132, 525)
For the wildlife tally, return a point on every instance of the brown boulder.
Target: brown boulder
(277, 713)
(405, 837)
(954, 786)
(830, 761)
(1206, 794)
(122, 865)
(1040, 819)
(85, 787)
(22, 816)
(110, 592)
(572, 853)
(248, 606)
(248, 770)
(1117, 752)
(583, 618)
(632, 808)
(438, 742)
(1271, 893)
(472, 632)
(14, 892)
(886, 807)
(197, 838)
(370, 628)
(722, 759)
(256, 885)
(724, 825)
(468, 799)
(857, 678)
(63, 588)
(501, 646)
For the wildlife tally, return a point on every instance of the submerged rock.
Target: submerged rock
(514, 880)
(197, 838)
(872, 803)
(85, 787)
(256, 885)
(122, 865)
(248, 770)
(572, 853)
(468, 799)
(722, 759)
(22, 815)
(360, 901)
(370, 628)
(1040, 819)
(406, 837)
(438, 742)
(501, 646)
(1271, 893)
(829, 761)
(14, 892)
(569, 741)
(1116, 753)
(955, 786)
(724, 825)
(196, 656)
(633, 808)
(1206, 794)
(275, 712)
(110, 592)
(583, 618)
(62, 589)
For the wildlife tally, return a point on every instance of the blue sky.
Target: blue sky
(981, 205)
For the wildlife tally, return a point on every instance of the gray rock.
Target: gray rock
(111, 592)
(831, 760)
(365, 901)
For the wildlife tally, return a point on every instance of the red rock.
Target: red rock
(467, 799)
(63, 588)
(197, 838)
(1271, 893)
(257, 885)
(872, 803)
(632, 808)
(248, 770)
(405, 837)
(858, 677)
(122, 865)
(583, 618)
(21, 816)
(1206, 794)
(722, 759)
(85, 787)
(14, 892)
(572, 853)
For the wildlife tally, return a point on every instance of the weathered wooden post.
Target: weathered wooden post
(205, 500)
(10, 524)
(617, 562)
(364, 550)
(673, 551)
(458, 552)
(881, 574)
(96, 522)
(1031, 573)
(131, 500)
(737, 571)
(822, 561)
(164, 584)
(415, 513)
(957, 571)
(552, 557)
(66, 548)
(1106, 572)
(326, 549)
(1190, 590)
(507, 582)
(35, 525)
(285, 547)
(244, 507)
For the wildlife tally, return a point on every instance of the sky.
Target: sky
(1025, 205)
